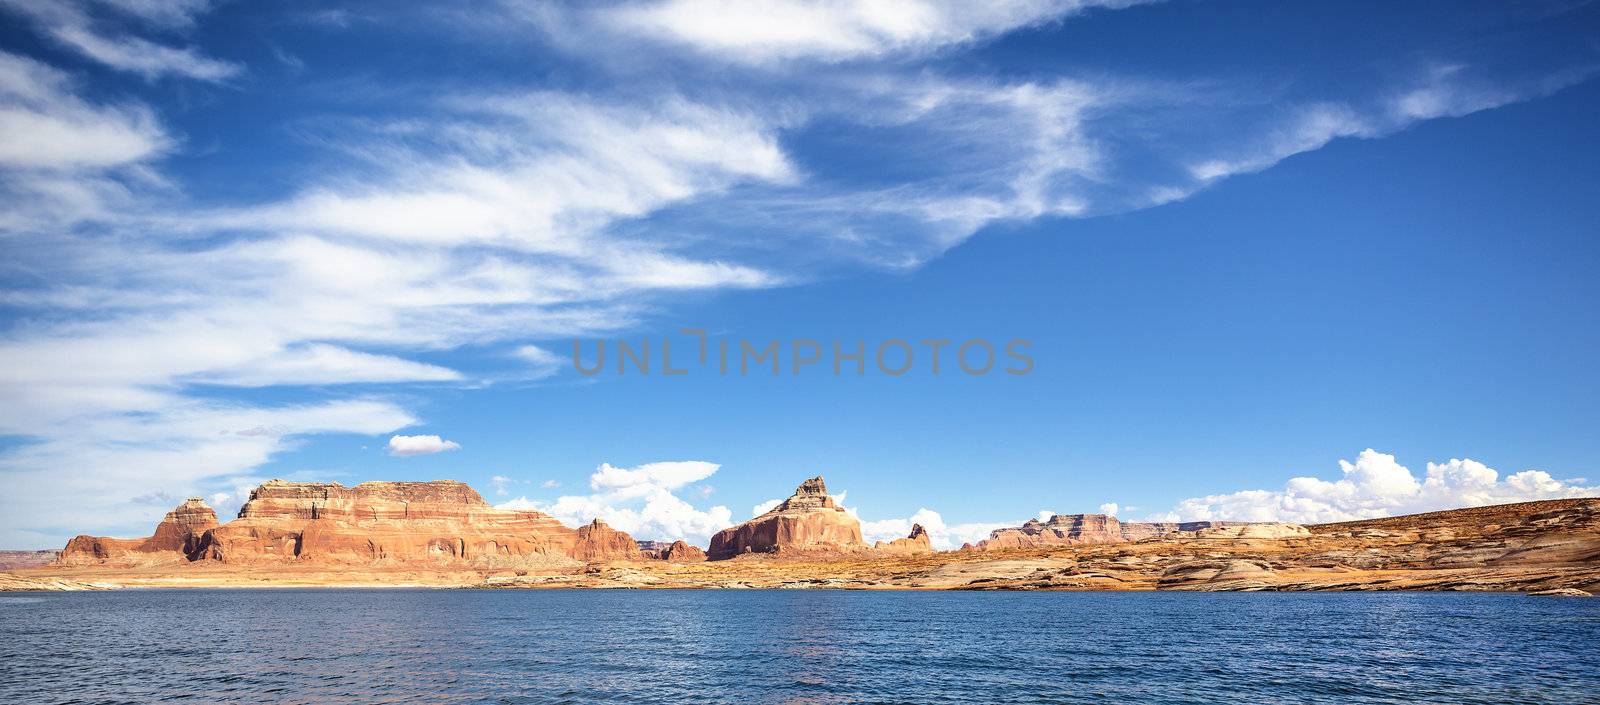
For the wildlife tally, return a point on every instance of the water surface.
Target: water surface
(584, 646)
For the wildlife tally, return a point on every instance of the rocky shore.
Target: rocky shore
(442, 534)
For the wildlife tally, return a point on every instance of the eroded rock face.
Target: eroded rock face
(403, 522)
(177, 538)
(918, 543)
(683, 552)
(598, 542)
(1075, 529)
(1266, 531)
(807, 522)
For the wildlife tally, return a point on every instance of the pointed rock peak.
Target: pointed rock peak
(597, 523)
(813, 487)
(917, 530)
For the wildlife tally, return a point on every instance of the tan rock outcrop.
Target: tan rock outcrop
(177, 538)
(1076, 529)
(598, 542)
(918, 543)
(807, 522)
(683, 552)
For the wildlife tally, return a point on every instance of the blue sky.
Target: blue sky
(1276, 261)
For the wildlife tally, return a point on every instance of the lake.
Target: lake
(682, 646)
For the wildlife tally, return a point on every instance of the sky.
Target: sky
(1270, 261)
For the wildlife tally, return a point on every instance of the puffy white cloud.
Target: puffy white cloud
(1376, 485)
(419, 445)
(1109, 508)
(640, 501)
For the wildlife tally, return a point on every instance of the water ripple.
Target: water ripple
(811, 647)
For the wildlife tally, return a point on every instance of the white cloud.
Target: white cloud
(65, 158)
(482, 177)
(403, 446)
(70, 24)
(765, 31)
(640, 501)
(1109, 509)
(501, 485)
(318, 363)
(82, 478)
(541, 363)
(1443, 91)
(764, 507)
(162, 13)
(550, 484)
(1376, 485)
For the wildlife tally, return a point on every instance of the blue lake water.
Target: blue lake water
(466, 646)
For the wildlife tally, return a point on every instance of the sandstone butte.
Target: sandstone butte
(682, 552)
(807, 522)
(918, 543)
(374, 522)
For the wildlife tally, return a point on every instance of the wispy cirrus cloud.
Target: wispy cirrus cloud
(69, 23)
(454, 215)
(772, 31)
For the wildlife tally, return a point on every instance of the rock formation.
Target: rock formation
(598, 542)
(383, 523)
(1075, 529)
(11, 560)
(918, 543)
(683, 552)
(808, 522)
(177, 538)
(652, 549)
(1266, 531)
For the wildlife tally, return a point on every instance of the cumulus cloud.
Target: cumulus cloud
(403, 446)
(1109, 508)
(641, 501)
(764, 507)
(1376, 485)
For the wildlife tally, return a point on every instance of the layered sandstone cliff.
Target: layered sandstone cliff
(1075, 529)
(807, 522)
(439, 521)
(378, 523)
(918, 543)
(177, 538)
